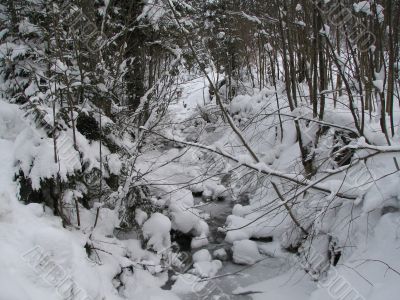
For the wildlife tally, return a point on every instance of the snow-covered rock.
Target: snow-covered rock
(202, 255)
(245, 252)
(140, 216)
(207, 268)
(157, 231)
(199, 241)
(220, 254)
(240, 210)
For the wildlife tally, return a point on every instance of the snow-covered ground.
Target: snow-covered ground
(40, 259)
(367, 266)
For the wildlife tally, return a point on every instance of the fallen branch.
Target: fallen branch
(234, 273)
(288, 209)
(212, 85)
(322, 123)
(262, 168)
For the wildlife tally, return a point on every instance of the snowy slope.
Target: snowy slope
(39, 259)
(366, 231)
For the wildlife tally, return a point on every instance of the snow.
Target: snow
(153, 11)
(188, 284)
(156, 229)
(220, 254)
(25, 27)
(378, 197)
(245, 252)
(36, 156)
(365, 7)
(365, 230)
(207, 268)
(156, 294)
(214, 190)
(379, 85)
(240, 210)
(273, 249)
(90, 151)
(140, 216)
(18, 51)
(291, 285)
(38, 253)
(251, 220)
(186, 220)
(237, 229)
(251, 18)
(201, 255)
(11, 123)
(199, 241)
(170, 171)
(3, 32)
(114, 164)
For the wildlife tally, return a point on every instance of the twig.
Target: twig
(234, 273)
(263, 169)
(382, 262)
(288, 209)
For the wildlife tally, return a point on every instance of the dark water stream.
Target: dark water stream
(231, 276)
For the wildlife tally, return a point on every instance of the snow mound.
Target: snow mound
(245, 252)
(220, 254)
(207, 268)
(157, 231)
(202, 255)
(188, 284)
(199, 241)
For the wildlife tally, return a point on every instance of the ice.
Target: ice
(188, 284)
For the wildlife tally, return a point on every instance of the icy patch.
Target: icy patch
(188, 284)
